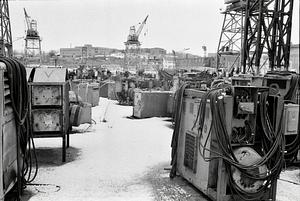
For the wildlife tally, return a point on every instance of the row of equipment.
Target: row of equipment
(232, 141)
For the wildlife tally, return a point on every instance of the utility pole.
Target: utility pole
(6, 49)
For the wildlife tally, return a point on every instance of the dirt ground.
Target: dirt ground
(121, 159)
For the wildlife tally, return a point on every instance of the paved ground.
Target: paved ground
(117, 160)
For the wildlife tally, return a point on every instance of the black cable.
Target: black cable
(177, 119)
(19, 96)
(273, 153)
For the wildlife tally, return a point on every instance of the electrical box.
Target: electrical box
(243, 108)
(241, 81)
(88, 92)
(279, 85)
(49, 110)
(47, 120)
(290, 119)
(8, 137)
(151, 104)
(108, 89)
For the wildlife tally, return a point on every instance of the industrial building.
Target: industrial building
(85, 51)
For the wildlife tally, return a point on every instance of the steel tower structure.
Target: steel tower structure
(6, 48)
(268, 25)
(253, 28)
(230, 42)
(132, 47)
(32, 39)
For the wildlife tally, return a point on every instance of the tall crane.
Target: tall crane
(5, 37)
(31, 26)
(132, 47)
(133, 37)
(32, 39)
(253, 29)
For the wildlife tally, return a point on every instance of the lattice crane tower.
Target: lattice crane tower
(132, 46)
(6, 48)
(254, 30)
(32, 38)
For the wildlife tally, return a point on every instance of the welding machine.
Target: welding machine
(219, 137)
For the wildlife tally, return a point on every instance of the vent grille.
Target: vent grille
(190, 152)
(7, 100)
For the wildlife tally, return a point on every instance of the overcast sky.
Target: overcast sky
(172, 24)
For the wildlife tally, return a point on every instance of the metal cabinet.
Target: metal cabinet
(49, 111)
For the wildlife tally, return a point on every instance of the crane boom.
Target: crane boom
(141, 27)
(27, 18)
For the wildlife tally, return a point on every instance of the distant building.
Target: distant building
(294, 58)
(169, 62)
(196, 63)
(117, 55)
(70, 52)
(156, 51)
(86, 51)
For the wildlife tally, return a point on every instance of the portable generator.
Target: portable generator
(218, 145)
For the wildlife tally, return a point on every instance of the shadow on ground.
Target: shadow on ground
(49, 156)
(46, 157)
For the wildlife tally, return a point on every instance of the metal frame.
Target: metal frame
(32, 44)
(268, 26)
(231, 37)
(254, 28)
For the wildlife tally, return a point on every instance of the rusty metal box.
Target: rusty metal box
(47, 120)
(151, 104)
(47, 95)
(49, 108)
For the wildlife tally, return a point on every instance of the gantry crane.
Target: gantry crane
(32, 38)
(254, 29)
